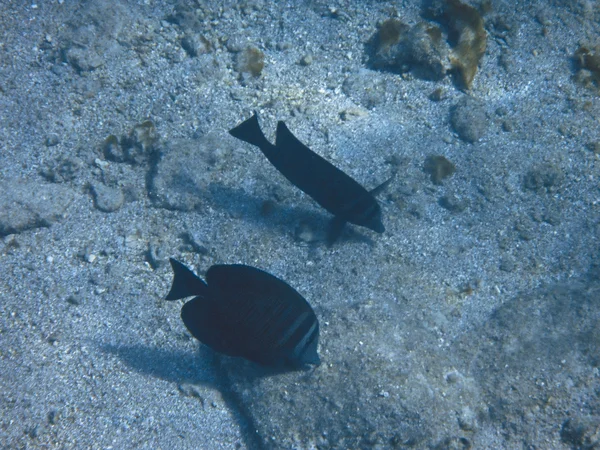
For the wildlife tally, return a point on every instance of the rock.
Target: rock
(107, 199)
(453, 203)
(251, 60)
(25, 205)
(366, 88)
(195, 44)
(581, 432)
(84, 60)
(438, 167)
(468, 119)
(544, 178)
(419, 49)
(63, 169)
(184, 171)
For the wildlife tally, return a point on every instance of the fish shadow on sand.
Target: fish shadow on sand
(203, 367)
(281, 218)
(169, 365)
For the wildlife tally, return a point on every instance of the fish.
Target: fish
(329, 186)
(245, 312)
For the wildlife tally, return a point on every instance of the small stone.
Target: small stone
(306, 60)
(453, 203)
(251, 60)
(507, 264)
(74, 299)
(52, 140)
(467, 419)
(156, 254)
(453, 377)
(53, 417)
(307, 234)
(438, 167)
(107, 199)
(468, 119)
(544, 178)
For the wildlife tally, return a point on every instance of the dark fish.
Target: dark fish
(243, 311)
(331, 188)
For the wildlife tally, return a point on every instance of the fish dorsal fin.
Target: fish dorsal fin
(185, 282)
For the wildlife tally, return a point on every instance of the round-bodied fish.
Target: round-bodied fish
(244, 311)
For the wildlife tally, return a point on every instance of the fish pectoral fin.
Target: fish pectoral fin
(185, 282)
(335, 229)
(379, 189)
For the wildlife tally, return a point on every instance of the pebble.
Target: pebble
(107, 199)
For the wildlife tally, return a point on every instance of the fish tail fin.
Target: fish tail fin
(249, 131)
(284, 136)
(185, 282)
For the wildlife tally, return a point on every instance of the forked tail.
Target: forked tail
(185, 282)
(249, 131)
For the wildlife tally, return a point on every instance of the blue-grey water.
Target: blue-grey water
(473, 321)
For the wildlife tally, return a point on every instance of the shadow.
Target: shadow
(168, 365)
(282, 217)
(201, 368)
(206, 368)
(198, 368)
(238, 202)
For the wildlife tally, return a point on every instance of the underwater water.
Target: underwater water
(427, 183)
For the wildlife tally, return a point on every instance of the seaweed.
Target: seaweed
(466, 35)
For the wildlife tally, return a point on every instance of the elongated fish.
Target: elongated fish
(331, 188)
(243, 311)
